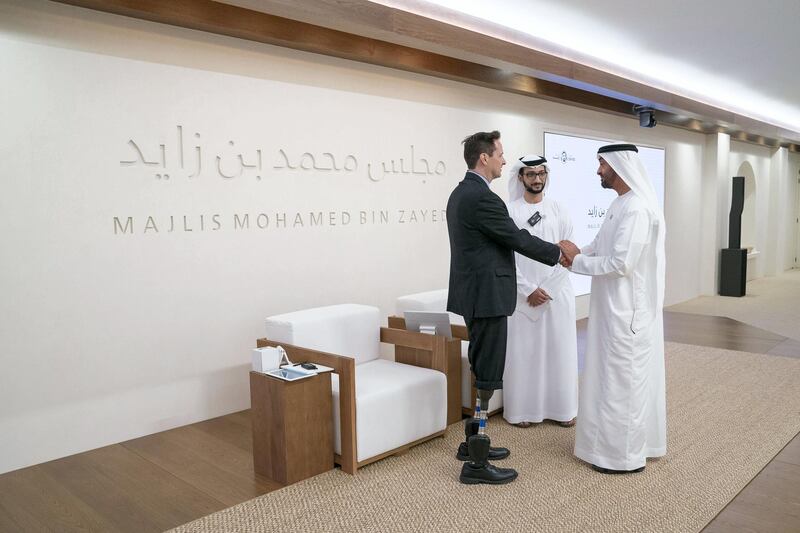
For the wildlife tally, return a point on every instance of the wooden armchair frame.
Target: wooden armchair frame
(418, 349)
(459, 330)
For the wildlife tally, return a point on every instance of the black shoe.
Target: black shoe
(495, 454)
(472, 474)
(609, 471)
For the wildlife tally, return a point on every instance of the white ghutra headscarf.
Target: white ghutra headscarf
(624, 159)
(515, 187)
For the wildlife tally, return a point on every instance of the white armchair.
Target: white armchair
(380, 407)
(437, 301)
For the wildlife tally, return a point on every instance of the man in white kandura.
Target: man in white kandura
(622, 406)
(541, 370)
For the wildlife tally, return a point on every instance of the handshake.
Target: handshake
(568, 253)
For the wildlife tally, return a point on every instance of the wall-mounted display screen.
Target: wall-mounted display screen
(574, 183)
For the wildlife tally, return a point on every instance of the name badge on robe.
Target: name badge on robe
(535, 218)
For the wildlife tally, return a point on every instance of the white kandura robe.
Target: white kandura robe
(622, 408)
(541, 371)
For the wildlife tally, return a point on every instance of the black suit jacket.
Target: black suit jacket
(483, 239)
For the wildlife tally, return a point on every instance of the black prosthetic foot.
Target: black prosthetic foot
(479, 470)
(470, 429)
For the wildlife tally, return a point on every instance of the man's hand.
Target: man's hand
(538, 297)
(568, 252)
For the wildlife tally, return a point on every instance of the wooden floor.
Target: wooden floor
(148, 484)
(160, 481)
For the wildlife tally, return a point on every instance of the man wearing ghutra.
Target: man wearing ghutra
(541, 371)
(622, 406)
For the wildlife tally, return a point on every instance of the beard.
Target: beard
(605, 182)
(534, 189)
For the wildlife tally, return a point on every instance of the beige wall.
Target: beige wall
(111, 335)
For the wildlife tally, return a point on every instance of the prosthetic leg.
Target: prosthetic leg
(472, 426)
(479, 451)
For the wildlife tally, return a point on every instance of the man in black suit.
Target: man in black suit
(483, 239)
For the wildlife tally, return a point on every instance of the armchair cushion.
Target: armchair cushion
(346, 329)
(395, 404)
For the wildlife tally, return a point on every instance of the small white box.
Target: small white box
(266, 359)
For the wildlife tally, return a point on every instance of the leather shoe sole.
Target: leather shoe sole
(495, 453)
(487, 474)
(609, 471)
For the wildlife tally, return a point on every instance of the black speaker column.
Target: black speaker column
(733, 261)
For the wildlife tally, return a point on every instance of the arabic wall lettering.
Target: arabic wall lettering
(308, 161)
(189, 160)
(596, 212)
(414, 167)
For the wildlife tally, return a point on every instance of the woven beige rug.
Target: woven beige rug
(729, 414)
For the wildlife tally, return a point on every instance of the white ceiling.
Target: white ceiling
(737, 55)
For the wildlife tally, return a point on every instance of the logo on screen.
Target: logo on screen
(563, 157)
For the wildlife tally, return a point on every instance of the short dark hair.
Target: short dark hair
(477, 144)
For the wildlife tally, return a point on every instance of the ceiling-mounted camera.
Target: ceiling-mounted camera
(647, 116)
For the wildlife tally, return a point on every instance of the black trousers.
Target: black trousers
(487, 350)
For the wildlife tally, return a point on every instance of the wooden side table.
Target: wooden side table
(292, 426)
